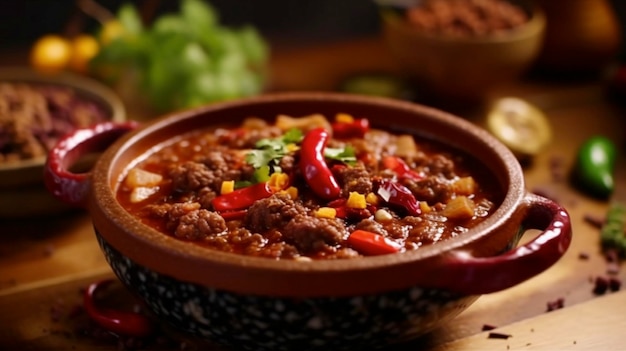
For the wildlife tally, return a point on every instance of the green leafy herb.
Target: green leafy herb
(345, 155)
(268, 152)
(184, 59)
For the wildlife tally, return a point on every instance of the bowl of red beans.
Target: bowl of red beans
(313, 221)
(36, 110)
(463, 51)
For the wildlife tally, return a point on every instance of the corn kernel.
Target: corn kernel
(356, 200)
(228, 186)
(278, 181)
(424, 207)
(344, 118)
(292, 191)
(371, 199)
(382, 216)
(325, 212)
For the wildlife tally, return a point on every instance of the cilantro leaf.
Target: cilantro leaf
(345, 155)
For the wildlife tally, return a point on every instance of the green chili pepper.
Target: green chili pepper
(595, 164)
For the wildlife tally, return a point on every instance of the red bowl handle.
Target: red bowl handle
(471, 275)
(73, 188)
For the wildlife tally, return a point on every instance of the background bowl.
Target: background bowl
(257, 303)
(22, 191)
(463, 68)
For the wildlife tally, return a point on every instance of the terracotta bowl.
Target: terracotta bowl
(22, 190)
(467, 69)
(263, 304)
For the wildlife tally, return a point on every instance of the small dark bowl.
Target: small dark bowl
(22, 190)
(261, 304)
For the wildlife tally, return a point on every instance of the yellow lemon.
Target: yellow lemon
(50, 53)
(84, 48)
(111, 30)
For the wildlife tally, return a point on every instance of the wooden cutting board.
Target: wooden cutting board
(44, 316)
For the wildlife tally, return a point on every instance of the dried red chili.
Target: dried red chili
(355, 129)
(397, 194)
(117, 321)
(313, 165)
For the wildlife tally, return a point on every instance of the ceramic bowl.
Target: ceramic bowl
(466, 69)
(263, 304)
(22, 191)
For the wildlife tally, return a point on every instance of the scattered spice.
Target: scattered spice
(488, 327)
(495, 335)
(555, 304)
(601, 285)
(583, 256)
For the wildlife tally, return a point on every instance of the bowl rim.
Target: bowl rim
(190, 262)
(84, 85)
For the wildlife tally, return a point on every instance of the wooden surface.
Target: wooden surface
(45, 262)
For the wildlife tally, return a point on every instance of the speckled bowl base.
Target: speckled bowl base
(267, 323)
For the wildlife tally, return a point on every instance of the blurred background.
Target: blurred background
(294, 22)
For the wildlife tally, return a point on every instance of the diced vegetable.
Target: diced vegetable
(305, 123)
(140, 178)
(356, 200)
(460, 207)
(326, 212)
(464, 186)
(228, 186)
(141, 193)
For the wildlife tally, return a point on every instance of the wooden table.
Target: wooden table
(44, 262)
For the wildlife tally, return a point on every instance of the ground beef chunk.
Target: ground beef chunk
(430, 189)
(440, 164)
(355, 178)
(311, 234)
(223, 165)
(205, 198)
(199, 224)
(190, 176)
(287, 164)
(371, 225)
(272, 212)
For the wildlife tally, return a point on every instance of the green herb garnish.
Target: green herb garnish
(345, 155)
(268, 152)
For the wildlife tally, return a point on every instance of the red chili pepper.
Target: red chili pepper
(369, 243)
(242, 198)
(354, 129)
(117, 321)
(230, 215)
(313, 165)
(400, 167)
(399, 195)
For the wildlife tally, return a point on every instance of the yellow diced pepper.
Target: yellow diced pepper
(278, 182)
(325, 212)
(344, 118)
(356, 200)
(424, 207)
(371, 199)
(292, 191)
(291, 147)
(228, 186)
